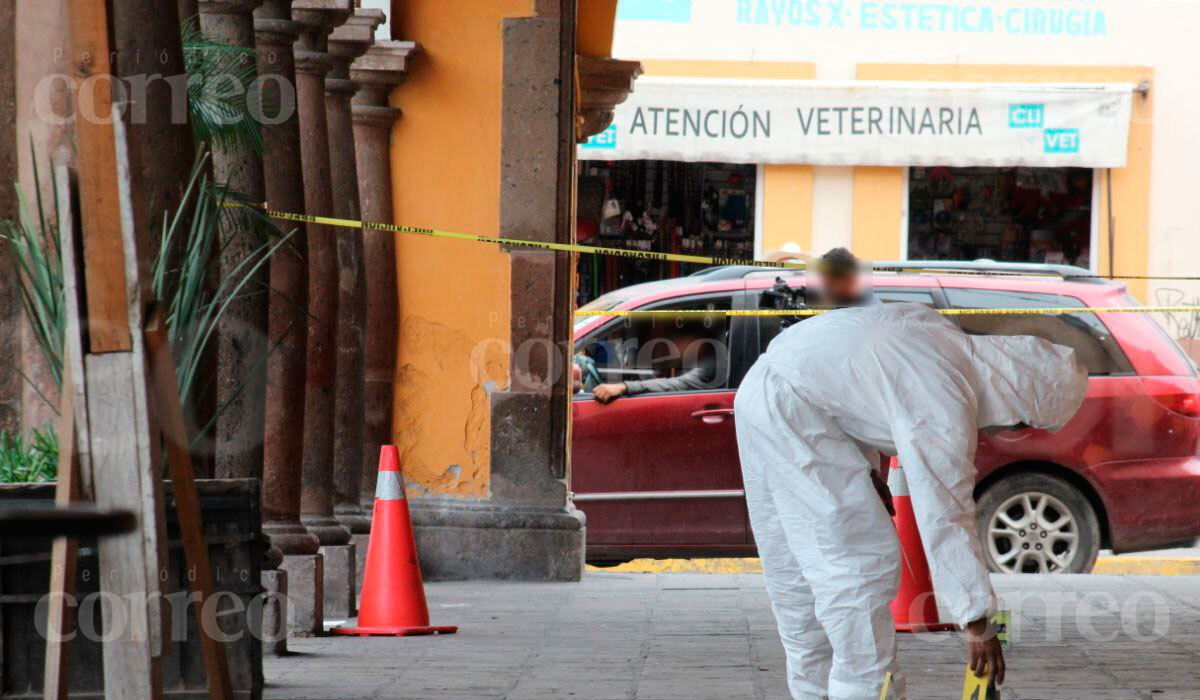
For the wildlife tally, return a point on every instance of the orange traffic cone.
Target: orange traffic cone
(914, 608)
(392, 602)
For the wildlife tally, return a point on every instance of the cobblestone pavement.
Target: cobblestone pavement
(698, 636)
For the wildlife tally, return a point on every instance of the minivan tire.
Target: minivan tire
(1036, 523)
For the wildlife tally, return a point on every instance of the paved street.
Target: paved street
(696, 636)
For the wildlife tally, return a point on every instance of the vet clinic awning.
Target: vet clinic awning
(869, 123)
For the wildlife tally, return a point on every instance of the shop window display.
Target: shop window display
(1041, 215)
(662, 206)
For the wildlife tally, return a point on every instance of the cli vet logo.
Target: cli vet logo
(1060, 140)
(604, 139)
(1026, 116)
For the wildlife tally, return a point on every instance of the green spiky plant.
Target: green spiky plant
(35, 459)
(193, 305)
(218, 115)
(194, 308)
(220, 78)
(34, 247)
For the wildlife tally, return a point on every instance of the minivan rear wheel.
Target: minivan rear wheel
(1037, 523)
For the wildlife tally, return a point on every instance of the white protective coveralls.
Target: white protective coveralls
(812, 413)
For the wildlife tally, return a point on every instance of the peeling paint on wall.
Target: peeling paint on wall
(442, 416)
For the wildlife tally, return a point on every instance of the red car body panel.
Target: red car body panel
(1133, 447)
(678, 452)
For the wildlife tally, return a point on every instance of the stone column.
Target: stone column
(146, 45)
(241, 333)
(11, 314)
(313, 63)
(377, 72)
(347, 43)
(527, 527)
(287, 319)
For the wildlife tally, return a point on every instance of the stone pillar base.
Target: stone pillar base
(306, 594)
(274, 612)
(339, 581)
(360, 542)
(497, 541)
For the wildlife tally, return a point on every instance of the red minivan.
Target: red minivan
(657, 474)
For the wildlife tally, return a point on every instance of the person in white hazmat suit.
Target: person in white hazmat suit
(813, 414)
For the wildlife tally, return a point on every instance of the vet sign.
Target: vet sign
(887, 123)
(1061, 140)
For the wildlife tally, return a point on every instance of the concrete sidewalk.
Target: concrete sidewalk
(697, 636)
(1162, 562)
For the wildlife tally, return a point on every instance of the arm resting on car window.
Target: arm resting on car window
(700, 377)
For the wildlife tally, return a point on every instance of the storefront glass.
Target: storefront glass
(1041, 215)
(663, 206)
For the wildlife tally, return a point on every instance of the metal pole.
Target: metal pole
(1111, 220)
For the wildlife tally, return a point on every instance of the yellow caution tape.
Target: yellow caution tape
(542, 245)
(944, 312)
(664, 257)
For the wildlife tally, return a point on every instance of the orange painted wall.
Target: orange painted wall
(787, 189)
(597, 19)
(879, 192)
(454, 296)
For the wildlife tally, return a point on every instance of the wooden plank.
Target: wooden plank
(104, 255)
(187, 501)
(75, 340)
(64, 554)
(119, 446)
(126, 473)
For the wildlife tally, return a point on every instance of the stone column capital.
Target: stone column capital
(357, 34)
(269, 31)
(229, 7)
(320, 17)
(351, 40)
(377, 72)
(273, 24)
(373, 115)
(383, 64)
(315, 63)
(604, 83)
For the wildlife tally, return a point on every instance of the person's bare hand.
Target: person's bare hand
(885, 494)
(984, 652)
(607, 392)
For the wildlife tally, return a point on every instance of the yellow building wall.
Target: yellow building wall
(787, 189)
(878, 210)
(454, 296)
(594, 28)
(879, 192)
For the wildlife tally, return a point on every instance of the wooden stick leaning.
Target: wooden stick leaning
(187, 501)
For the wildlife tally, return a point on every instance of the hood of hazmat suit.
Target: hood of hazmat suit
(1025, 380)
(813, 413)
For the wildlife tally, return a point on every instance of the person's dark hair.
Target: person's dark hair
(837, 261)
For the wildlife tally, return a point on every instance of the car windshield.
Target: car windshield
(602, 303)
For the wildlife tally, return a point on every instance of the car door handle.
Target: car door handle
(713, 415)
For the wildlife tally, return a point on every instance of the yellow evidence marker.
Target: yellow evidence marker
(980, 687)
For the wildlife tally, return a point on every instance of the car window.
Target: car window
(662, 347)
(771, 326)
(919, 296)
(1189, 363)
(1083, 331)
